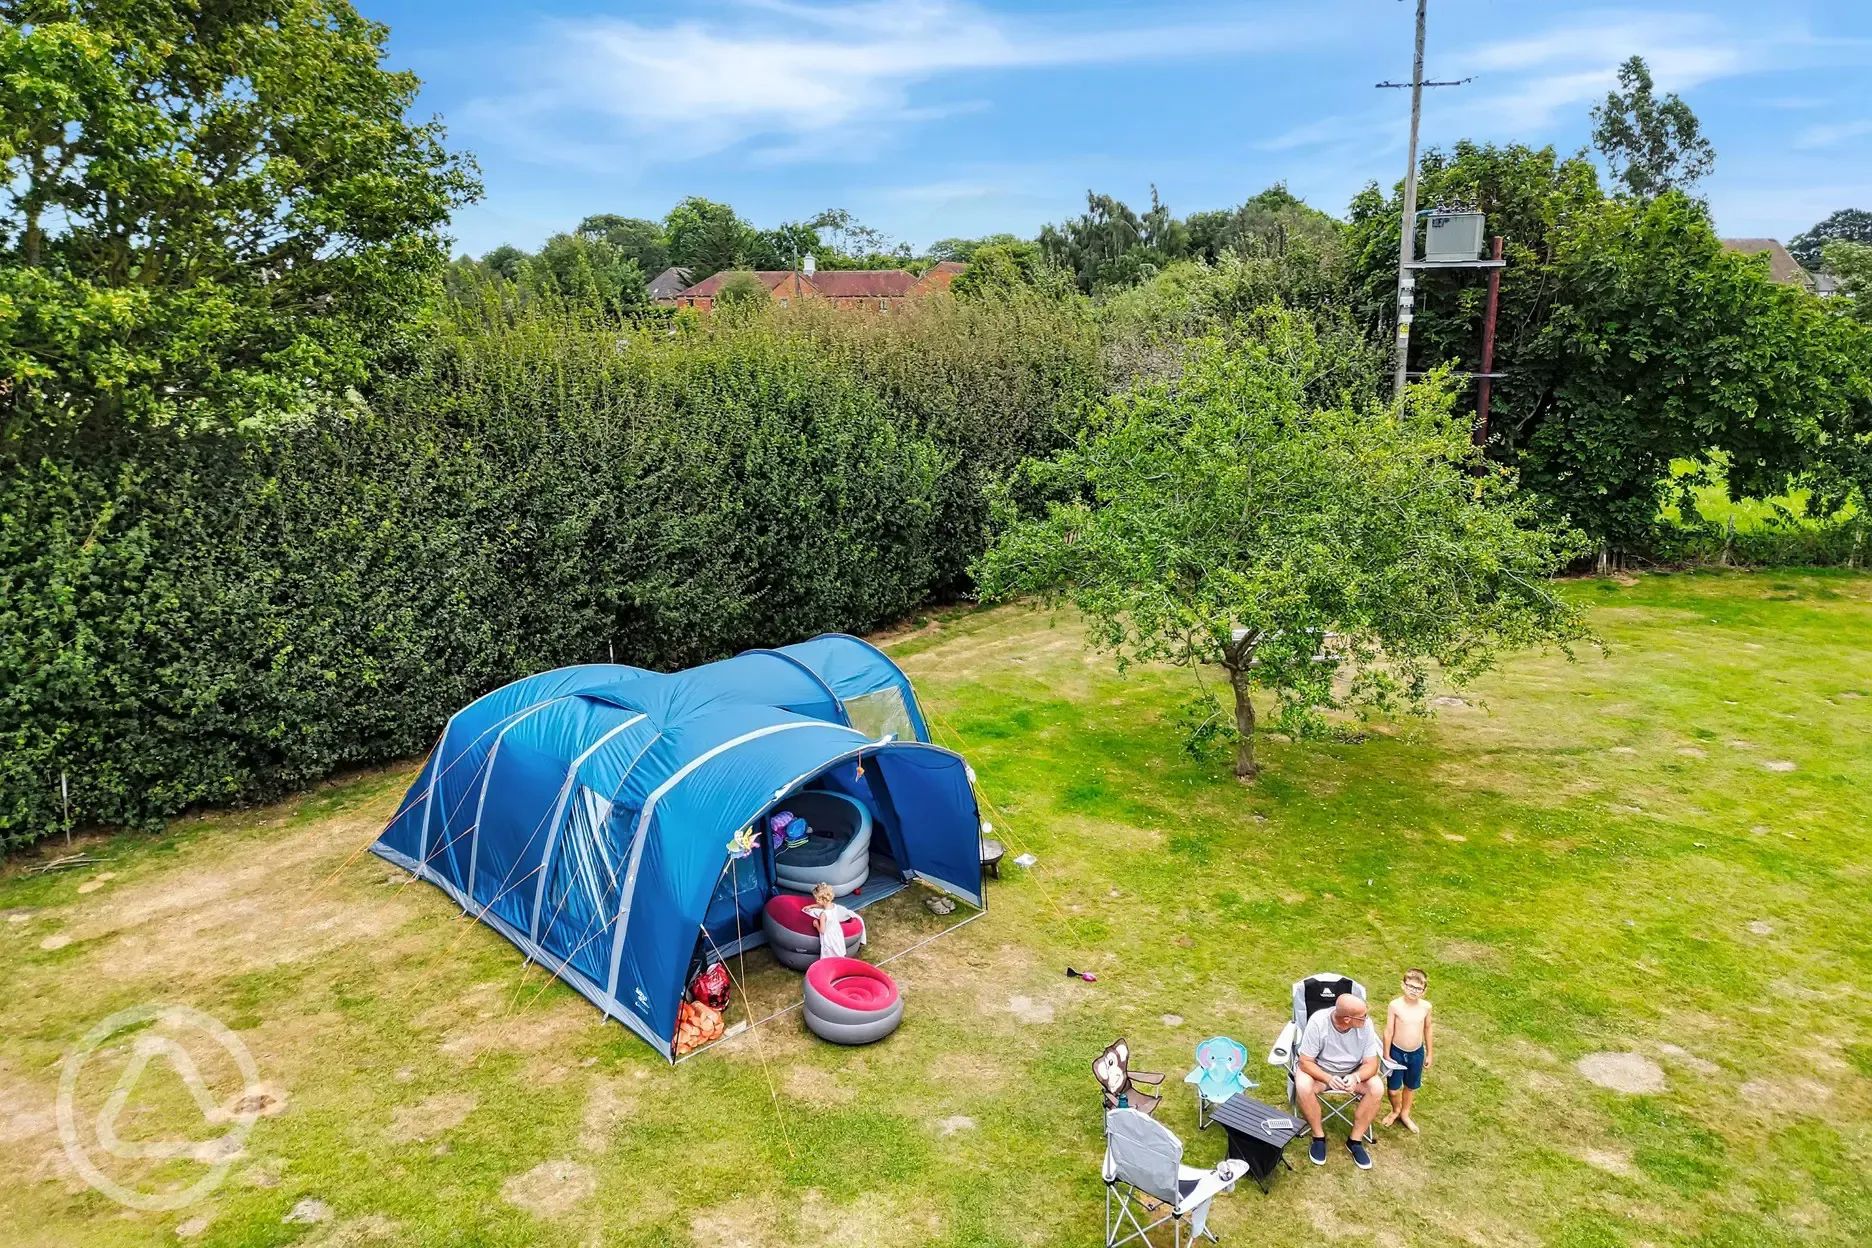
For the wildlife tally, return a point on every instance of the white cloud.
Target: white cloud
(796, 76)
(1832, 135)
(1526, 84)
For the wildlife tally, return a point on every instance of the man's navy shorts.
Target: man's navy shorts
(1410, 1072)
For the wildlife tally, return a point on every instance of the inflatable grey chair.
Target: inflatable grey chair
(1144, 1158)
(839, 851)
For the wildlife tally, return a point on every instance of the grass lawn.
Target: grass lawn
(1661, 853)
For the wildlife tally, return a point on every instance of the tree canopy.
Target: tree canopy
(1319, 544)
(1852, 264)
(1848, 225)
(208, 212)
(1629, 339)
(634, 238)
(1652, 145)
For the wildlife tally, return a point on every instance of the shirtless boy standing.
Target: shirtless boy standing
(1410, 1044)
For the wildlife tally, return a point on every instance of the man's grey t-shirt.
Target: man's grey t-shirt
(1337, 1052)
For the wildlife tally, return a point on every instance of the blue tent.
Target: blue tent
(585, 813)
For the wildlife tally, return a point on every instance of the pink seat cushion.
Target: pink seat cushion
(789, 911)
(853, 984)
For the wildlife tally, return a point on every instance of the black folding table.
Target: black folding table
(1257, 1134)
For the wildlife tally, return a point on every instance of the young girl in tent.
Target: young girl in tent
(828, 916)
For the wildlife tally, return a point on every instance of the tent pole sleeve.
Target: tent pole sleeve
(487, 778)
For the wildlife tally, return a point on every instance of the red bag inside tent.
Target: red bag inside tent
(711, 987)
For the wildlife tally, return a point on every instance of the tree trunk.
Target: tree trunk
(1245, 769)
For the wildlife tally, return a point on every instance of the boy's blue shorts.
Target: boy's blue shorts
(1411, 1073)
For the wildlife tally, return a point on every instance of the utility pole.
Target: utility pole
(1407, 243)
(1487, 387)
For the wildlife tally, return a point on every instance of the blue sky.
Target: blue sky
(937, 118)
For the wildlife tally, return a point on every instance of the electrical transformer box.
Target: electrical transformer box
(1453, 236)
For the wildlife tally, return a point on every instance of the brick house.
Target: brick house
(939, 276)
(865, 290)
(783, 285)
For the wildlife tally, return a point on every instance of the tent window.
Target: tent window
(880, 712)
(582, 888)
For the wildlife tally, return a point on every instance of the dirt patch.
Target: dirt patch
(251, 905)
(91, 886)
(1610, 1162)
(1784, 1096)
(430, 1118)
(1691, 751)
(25, 1112)
(1331, 1222)
(1761, 927)
(1029, 1010)
(194, 1226)
(1684, 1057)
(874, 1220)
(954, 1123)
(1466, 951)
(372, 1228)
(266, 1101)
(309, 1211)
(608, 1103)
(1779, 764)
(978, 1069)
(1631, 1073)
(522, 1031)
(818, 1086)
(58, 941)
(743, 1223)
(551, 1189)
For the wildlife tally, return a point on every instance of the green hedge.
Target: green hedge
(191, 617)
(1843, 543)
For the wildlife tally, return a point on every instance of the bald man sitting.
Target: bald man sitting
(1339, 1053)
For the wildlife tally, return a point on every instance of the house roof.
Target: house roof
(1782, 266)
(830, 283)
(669, 283)
(711, 286)
(863, 283)
(947, 266)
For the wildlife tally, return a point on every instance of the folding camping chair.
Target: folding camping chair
(1118, 1081)
(1221, 1072)
(1143, 1158)
(1310, 996)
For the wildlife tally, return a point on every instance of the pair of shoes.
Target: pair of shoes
(1360, 1157)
